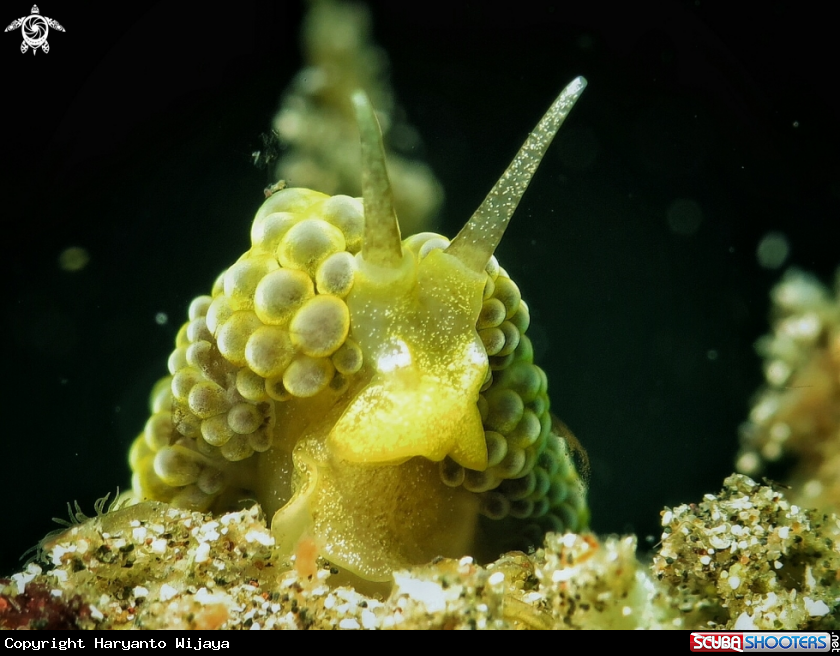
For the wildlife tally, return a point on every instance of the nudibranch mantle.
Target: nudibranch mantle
(374, 394)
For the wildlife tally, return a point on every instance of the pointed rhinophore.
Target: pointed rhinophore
(482, 233)
(381, 242)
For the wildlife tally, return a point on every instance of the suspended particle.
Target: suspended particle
(684, 217)
(74, 258)
(773, 250)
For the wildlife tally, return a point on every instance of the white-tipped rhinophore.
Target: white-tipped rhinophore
(381, 244)
(481, 235)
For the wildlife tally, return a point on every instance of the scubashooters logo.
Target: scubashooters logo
(760, 641)
(34, 29)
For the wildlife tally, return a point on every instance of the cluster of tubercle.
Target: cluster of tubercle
(374, 395)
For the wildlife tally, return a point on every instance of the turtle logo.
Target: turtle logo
(34, 29)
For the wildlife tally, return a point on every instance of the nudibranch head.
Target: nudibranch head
(376, 394)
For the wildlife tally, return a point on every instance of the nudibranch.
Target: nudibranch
(375, 395)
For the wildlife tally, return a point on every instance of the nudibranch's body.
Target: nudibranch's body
(376, 395)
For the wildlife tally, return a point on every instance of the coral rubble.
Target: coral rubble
(750, 559)
(746, 558)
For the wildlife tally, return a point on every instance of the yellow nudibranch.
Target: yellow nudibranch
(376, 396)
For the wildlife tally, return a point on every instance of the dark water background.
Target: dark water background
(132, 138)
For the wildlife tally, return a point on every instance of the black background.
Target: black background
(132, 138)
